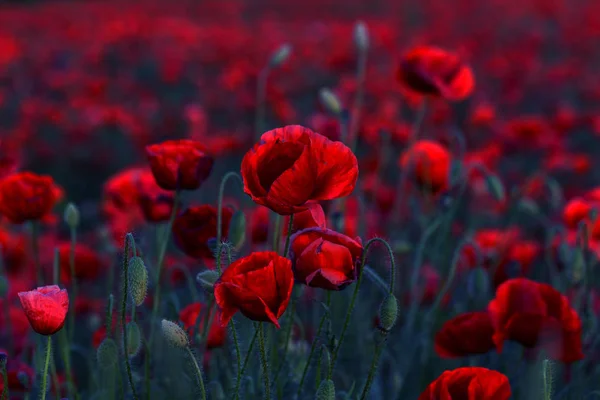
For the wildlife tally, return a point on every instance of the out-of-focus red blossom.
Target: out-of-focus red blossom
(563, 161)
(155, 202)
(179, 164)
(259, 224)
(381, 193)
(19, 324)
(195, 226)
(313, 217)
(468, 383)
(428, 288)
(46, 308)
(13, 250)
(292, 166)
(578, 210)
(466, 334)
(429, 163)
(25, 196)
(14, 369)
(431, 71)
(324, 258)
(259, 285)
(482, 115)
(189, 316)
(88, 264)
(537, 316)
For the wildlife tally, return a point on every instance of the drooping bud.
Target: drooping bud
(71, 216)
(138, 280)
(361, 36)
(134, 339)
(326, 390)
(107, 353)
(237, 229)
(330, 101)
(388, 313)
(174, 334)
(207, 279)
(280, 55)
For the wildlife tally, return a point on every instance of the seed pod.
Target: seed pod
(388, 313)
(138, 280)
(207, 279)
(107, 353)
(361, 36)
(134, 339)
(237, 229)
(326, 390)
(280, 55)
(71, 215)
(330, 101)
(174, 334)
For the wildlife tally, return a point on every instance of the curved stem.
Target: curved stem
(46, 365)
(264, 359)
(228, 175)
(198, 373)
(73, 281)
(236, 395)
(289, 235)
(128, 240)
(374, 365)
(355, 295)
(188, 279)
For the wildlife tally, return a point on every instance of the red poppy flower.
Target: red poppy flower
(189, 316)
(468, 383)
(46, 308)
(575, 211)
(25, 196)
(155, 202)
(314, 216)
(431, 71)
(293, 165)
(179, 164)
(195, 226)
(324, 258)
(88, 264)
(464, 335)
(537, 316)
(429, 162)
(13, 250)
(259, 285)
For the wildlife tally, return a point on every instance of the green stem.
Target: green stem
(208, 320)
(198, 373)
(276, 232)
(314, 345)
(147, 369)
(67, 360)
(46, 365)
(109, 315)
(5, 390)
(374, 365)
(358, 101)
(226, 177)
(238, 354)
(236, 395)
(6, 305)
(261, 94)
(289, 235)
(355, 295)
(73, 281)
(36, 252)
(128, 240)
(263, 359)
(288, 334)
(55, 384)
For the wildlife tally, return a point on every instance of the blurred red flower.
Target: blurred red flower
(466, 334)
(189, 316)
(46, 308)
(88, 264)
(429, 164)
(468, 383)
(195, 226)
(26, 196)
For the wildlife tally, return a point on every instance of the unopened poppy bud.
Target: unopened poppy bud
(174, 334)
(330, 101)
(134, 339)
(326, 390)
(495, 187)
(138, 280)
(361, 36)
(4, 286)
(71, 215)
(207, 279)
(388, 313)
(237, 229)
(280, 55)
(401, 247)
(107, 353)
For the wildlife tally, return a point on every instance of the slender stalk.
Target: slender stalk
(5, 391)
(147, 369)
(64, 344)
(55, 384)
(46, 365)
(198, 373)
(238, 383)
(238, 354)
(358, 100)
(263, 359)
(276, 233)
(220, 214)
(128, 239)
(73, 281)
(261, 94)
(289, 235)
(6, 306)
(374, 364)
(36, 252)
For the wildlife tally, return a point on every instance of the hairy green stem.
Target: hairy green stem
(46, 365)
(238, 383)
(289, 235)
(374, 365)
(5, 391)
(276, 233)
(128, 240)
(226, 177)
(264, 359)
(198, 373)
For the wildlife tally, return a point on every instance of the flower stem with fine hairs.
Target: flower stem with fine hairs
(355, 295)
(236, 395)
(374, 364)
(198, 372)
(46, 365)
(73, 280)
(128, 240)
(228, 175)
(289, 235)
(238, 354)
(264, 359)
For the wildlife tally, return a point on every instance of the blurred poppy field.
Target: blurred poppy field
(260, 199)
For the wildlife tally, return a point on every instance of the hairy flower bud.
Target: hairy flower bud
(388, 313)
(134, 339)
(280, 55)
(138, 280)
(330, 101)
(207, 279)
(107, 353)
(174, 334)
(326, 390)
(361, 36)
(71, 215)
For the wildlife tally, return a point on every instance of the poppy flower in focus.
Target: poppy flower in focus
(468, 383)
(193, 228)
(46, 308)
(464, 335)
(189, 316)
(87, 263)
(324, 258)
(313, 217)
(26, 196)
(292, 166)
(259, 285)
(179, 164)
(537, 316)
(431, 71)
(429, 162)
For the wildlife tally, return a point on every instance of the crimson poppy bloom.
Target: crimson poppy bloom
(466, 334)
(189, 316)
(259, 285)
(195, 226)
(292, 166)
(537, 316)
(431, 71)
(429, 162)
(26, 196)
(155, 202)
(179, 164)
(324, 258)
(88, 264)
(46, 308)
(314, 216)
(468, 383)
